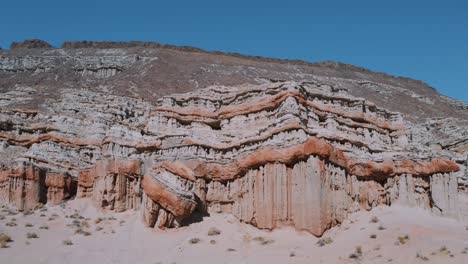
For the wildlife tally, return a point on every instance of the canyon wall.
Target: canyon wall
(303, 154)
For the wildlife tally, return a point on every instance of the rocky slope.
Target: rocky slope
(272, 142)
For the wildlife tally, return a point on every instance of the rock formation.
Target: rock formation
(273, 153)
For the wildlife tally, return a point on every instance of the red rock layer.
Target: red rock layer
(26, 186)
(112, 184)
(321, 148)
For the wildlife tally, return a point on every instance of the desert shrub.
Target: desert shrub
(357, 254)
(374, 219)
(381, 227)
(403, 239)
(324, 241)
(214, 231)
(422, 257)
(28, 225)
(4, 239)
(85, 223)
(45, 227)
(11, 224)
(31, 235)
(212, 242)
(67, 242)
(97, 220)
(231, 250)
(194, 240)
(373, 236)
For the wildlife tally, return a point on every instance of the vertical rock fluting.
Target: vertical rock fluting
(314, 195)
(285, 153)
(112, 184)
(26, 186)
(169, 196)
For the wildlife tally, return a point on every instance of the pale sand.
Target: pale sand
(132, 243)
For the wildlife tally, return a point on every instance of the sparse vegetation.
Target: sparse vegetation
(97, 220)
(10, 212)
(263, 241)
(292, 254)
(357, 253)
(85, 224)
(444, 251)
(194, 240)
(44, 227)
(381, 227)
(422, 257)
(231, 250)
(31, 235)
(374, 219)
(212, 242)
(28, 225)
(79, 231)
(403, 239)
(214, 231)
(98, 228)
(4, 240)
(67, 242)
(465, 250)
(373, 236)
(28, 213)
(10, 224)
(324, 241)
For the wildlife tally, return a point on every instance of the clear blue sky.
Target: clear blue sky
(425, 40)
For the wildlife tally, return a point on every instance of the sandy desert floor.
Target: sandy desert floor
(384, 235)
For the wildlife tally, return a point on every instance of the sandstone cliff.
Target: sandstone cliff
(302, 153)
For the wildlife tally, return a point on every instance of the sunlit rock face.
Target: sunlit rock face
(301, 154)
(175, 133)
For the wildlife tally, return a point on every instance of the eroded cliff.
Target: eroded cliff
(280, 153)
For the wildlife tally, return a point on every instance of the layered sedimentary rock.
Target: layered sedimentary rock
(26, 186)
(303, 153)
(112, 184)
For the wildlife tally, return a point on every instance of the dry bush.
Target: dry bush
(214, 231)
(357, 253)
(403, 239)
(31, 235)
(67, 242)
(4, 240)
(10, 224)
(194, 240)
(374, 219)
(422, 257)
(324, 241)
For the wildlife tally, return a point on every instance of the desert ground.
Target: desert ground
(76, 232)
